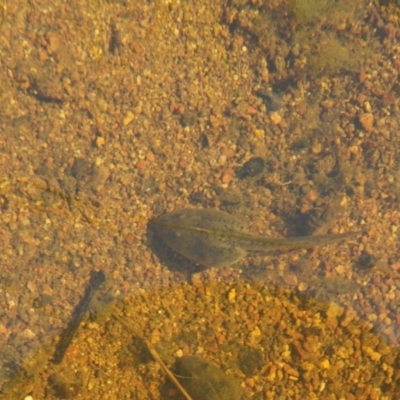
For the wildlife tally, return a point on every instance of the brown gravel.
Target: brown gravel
(114, 112)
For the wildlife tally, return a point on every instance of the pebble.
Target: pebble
(100, 141)
(251, 110)
(272, 374)
(275, 118)
(290, 370)
(327, 104)
(232, 296)
(128, 118)
(129, 238)
(222, 160)
(150, 157)
(250, 382)
(316, 148)
(334, 310)
(227, 175)
(259, 134)
(255, 333)
(325, 364)
(366, 120)
(141, 164)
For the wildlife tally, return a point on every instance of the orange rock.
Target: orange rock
(327, 104)
(251, 110)
(129, 238)
(141, 164)
(250, 382)
(366, 120)
(362, 76)
(227, 175)
(290, 370)
(150, 157)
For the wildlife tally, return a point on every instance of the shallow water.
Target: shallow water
(282, 114)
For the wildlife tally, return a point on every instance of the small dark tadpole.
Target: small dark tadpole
(97, 278)
(366, 261)
(204, 142)
(251, 168)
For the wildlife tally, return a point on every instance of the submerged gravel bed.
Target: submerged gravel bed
(282, 113)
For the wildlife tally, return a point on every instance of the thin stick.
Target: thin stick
(155, 355)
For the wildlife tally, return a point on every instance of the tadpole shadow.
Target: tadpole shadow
(172, 260)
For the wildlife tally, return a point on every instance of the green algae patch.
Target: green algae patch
(329, 54)
(323, 30)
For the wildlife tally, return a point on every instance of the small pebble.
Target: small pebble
(141, 164)
(232, 295)
(366, 120)
(275, 118)
(100, 141)
(222, 160)
(327, 104)
(251, 110)
(259, 134)
(128, 118)
(290, 370)
(227, 175)
(129, 238)
(334, 310)
(325, 364)
(150, 157)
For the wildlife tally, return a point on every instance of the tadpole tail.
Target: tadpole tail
(317, 240)
(298, 242)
